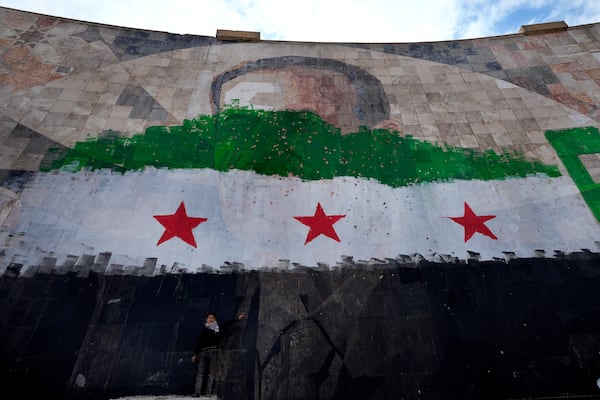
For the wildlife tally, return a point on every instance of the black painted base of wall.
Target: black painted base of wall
(483, 330)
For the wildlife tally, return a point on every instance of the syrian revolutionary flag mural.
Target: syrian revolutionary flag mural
(266, 188)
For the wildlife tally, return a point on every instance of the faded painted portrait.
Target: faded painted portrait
(344, 95)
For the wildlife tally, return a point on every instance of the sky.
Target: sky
(367, 21)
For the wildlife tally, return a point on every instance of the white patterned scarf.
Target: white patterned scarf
(212, 325)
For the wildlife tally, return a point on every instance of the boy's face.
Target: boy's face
(210, 318)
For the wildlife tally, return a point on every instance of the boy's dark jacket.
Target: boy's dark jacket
(210, 339)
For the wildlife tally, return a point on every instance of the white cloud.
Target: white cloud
(325, 20)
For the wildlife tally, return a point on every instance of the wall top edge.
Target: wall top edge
(253, 37)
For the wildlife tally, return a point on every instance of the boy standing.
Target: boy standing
(206, 352)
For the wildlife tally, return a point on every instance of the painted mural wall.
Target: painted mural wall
(129, 152)
(198, 153)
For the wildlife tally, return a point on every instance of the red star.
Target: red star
(474, 223)
(179, 225)
(320, 224)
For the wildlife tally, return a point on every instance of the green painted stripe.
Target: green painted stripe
(294, 143)
(569, 145)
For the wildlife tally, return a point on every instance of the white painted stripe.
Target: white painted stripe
(251, 218)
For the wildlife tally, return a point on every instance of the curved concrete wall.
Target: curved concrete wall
(126, 155)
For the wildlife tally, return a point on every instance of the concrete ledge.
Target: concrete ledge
(544, 28)
(238, 36)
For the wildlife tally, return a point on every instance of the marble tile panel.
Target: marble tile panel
(134, 126)
(181, 98)
(454, 141)
(75, 121)
(102, 110)
(28, 162)
(69, 83)
(536, 137)
(54, 119)
(88, 97)
(547, 154)
(429, 130)
(480, 128)
(480, 94)
(490, 115)
(116, 123)
(590, 46)
(44, 101)
(505, 113)
(160, 60)
(19, 102)
(69, 136)
(188, 80)
(424, 114)
(96, 85)
(109, 98)
(152, 89)
(48, 54)
(392, 70)
(567, 49)
(6, 125)
(468, 106)
(62, 106)
(453, 107)
(164, 95)
(184, 55)
(581, 36)
(549, 123)
(502, 139)
(82, 108)
(425, 75)
(152, 80)
(95, 123)
(120, 111)
(118, 77)
(137, 69)
(15, 113)
(386, 80)
(499, 74)
(419, 99)
(479, 67)
(471, 76)
(34, 118)
(512, 93)
(496, 127)
(445, 129)
(557, 88)
(70, 95)
(409, 118)
(523, 113)
(474, 116)
(441, 117)
(518, 138)
(468, 141)
(414, 130)
(457, 117)
(463, 128)
(10, 150)
(513, 126)
(160, 114)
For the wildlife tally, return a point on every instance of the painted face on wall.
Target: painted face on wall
(327, 93)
